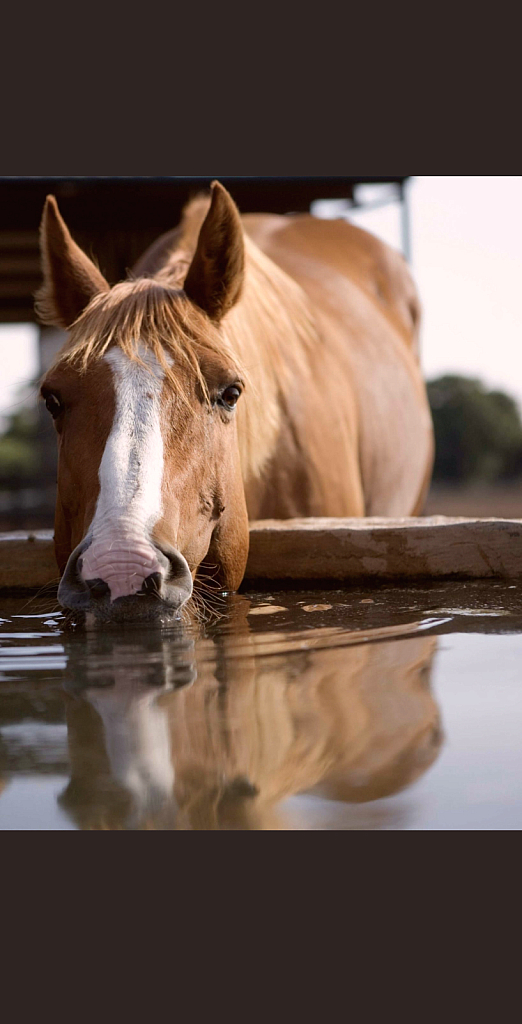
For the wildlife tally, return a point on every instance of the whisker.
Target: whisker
(52, 584)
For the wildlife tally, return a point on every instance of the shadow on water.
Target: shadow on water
(324, 696)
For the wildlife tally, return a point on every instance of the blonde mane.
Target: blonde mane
(145, 313)
(271, 332)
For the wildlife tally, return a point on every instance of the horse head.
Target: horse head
(143, 397)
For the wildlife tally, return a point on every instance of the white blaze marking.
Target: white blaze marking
(131, 469)
(130, 475)
(137, 738)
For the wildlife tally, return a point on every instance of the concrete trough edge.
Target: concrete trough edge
(328, 549)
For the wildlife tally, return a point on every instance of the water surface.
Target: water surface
(386, 708)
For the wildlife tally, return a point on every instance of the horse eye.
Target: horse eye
(229, 397)
(53, 405)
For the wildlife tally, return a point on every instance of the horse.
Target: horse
(254, 366)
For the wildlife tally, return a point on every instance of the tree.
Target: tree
(18, 445)
(478, 433)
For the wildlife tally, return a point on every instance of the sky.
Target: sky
(19, 363)
(466, 241)
(466, 235)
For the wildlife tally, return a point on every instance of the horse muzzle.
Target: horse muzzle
(127, 587)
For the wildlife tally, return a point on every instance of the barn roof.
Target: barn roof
(116, 218)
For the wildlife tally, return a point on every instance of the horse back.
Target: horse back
(368, 312)
(306, 246)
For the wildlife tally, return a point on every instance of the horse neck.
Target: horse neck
(271, 332)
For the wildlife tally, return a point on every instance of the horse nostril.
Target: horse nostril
(152, 584)
(98, 587)
(176, 578)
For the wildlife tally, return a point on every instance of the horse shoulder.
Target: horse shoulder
(367, 310)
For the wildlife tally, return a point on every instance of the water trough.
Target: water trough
(305, 550)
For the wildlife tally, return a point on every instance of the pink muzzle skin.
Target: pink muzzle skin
(122, 561)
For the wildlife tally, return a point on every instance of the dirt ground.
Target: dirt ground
(477, 500)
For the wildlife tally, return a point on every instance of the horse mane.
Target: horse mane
(272, 311)
(267, 336)
(145, 313)
(274, 334)
(271, 331)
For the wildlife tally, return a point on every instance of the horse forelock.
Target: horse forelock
(146, 315)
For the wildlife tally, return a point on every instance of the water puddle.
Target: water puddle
(387, 708)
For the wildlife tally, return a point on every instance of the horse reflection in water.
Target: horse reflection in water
(118, 728)
(153, 744)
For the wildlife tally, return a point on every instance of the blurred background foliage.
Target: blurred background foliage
(478, 433)
(19, 455)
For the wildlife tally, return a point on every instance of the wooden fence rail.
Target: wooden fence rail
(340, 550)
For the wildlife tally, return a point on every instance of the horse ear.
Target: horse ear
(70, 277)
(215, 275)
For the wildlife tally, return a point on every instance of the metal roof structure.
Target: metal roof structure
(115, 218)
